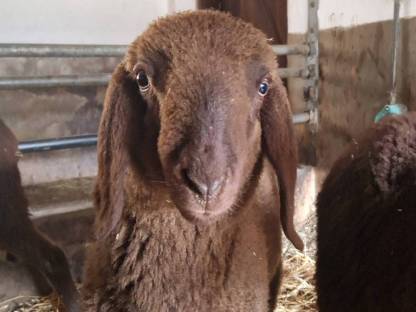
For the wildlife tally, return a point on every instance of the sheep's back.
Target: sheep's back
(366, 223)
(13, 203)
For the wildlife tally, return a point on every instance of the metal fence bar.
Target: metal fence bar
(57, 144)
(291, 49)
(301, 118)
(54, 81)
(395, 55)
(61, 50)
(65, 50)
(289, 72)
(97, 80)
(91, 140)
(60, 209)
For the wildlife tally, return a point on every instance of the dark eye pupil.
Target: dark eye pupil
(142, 81)
(263, 88)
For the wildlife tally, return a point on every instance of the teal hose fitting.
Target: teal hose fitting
(390, 109)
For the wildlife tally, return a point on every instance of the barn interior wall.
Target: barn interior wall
(355, 70)
(59, 112)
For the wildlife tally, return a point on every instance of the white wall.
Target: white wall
(120, 21)
(345, 13)
(81, 21)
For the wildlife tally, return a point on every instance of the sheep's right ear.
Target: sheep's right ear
(121, 105)
(280, 147)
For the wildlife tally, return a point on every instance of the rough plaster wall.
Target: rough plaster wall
(345, 13)
(358, 12)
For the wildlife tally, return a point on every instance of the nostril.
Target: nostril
(204, 190)
(215, 186)
(194, 185)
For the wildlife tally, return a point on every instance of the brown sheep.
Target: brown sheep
(17, 233)
(367, 223)
(196, 127)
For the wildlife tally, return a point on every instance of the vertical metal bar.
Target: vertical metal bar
(395, 55)
(290, 49)
(311, 91)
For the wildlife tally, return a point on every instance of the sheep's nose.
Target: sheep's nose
(204, 188)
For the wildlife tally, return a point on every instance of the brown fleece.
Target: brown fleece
(187, 199)
(17, 233)
(367, 221)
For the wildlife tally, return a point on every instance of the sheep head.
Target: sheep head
(201, 103)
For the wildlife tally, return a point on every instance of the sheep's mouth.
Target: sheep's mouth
(202, 216)
(208, 208)
(197, 208)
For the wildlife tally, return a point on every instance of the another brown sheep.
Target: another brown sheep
(367, 223)
(188, 214)
(17, 233)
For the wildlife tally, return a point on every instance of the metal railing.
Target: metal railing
(91, 140)
(311, 89)
(310, 73)
(57, 144)
(67, 50)
(7, 83)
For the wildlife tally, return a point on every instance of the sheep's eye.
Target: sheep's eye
(143, 81)
(263, 88)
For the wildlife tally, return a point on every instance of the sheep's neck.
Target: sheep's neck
(155, 246)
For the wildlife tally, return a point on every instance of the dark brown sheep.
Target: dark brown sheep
(195, 129)
(367, 223)
(17, 233)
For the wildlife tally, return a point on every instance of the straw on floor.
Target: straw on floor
(298, 286)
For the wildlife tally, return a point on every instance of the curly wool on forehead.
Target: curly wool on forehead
(200, 35)
(393, 153)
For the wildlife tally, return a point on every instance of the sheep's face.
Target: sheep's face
(203, 83)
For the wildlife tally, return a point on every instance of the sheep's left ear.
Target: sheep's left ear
(280, 147)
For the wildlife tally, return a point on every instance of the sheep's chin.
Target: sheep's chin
(194, 214)
(199, 212)
(201, 218)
